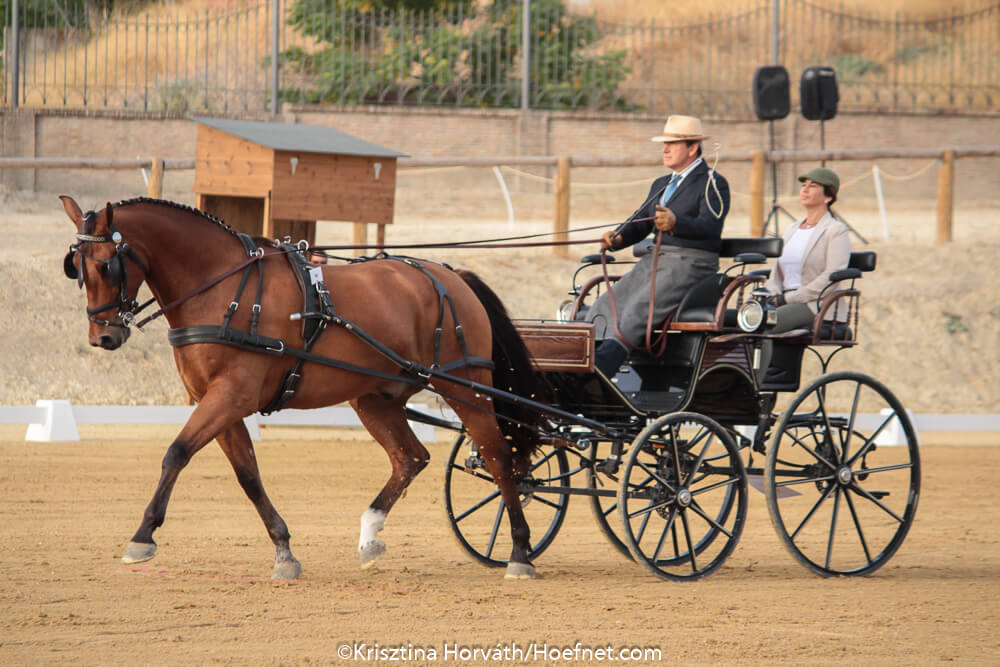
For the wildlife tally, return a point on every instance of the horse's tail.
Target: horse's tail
(512, 372)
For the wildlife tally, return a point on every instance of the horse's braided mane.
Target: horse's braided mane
(183, 207)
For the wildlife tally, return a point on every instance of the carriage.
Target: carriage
(665, 452)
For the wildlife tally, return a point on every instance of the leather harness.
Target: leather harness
(317, 313)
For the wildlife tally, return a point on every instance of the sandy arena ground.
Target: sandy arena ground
(68, 510)
(930, 331)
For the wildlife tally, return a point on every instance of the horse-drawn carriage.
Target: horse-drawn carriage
(690, 423)
(665, 453)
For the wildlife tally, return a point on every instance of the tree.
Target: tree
(447, 52)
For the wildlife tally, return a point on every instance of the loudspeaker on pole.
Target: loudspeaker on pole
(771, 100)
(818, 92)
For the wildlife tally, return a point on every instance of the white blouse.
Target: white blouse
(792, 256)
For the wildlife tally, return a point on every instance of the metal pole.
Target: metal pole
(525, 54)
(275, 35)
(775, 29)
(16, 56)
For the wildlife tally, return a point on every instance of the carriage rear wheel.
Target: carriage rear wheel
(476, 512)
(683, 496)
(842, 477)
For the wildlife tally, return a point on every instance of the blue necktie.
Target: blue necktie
(675, 180)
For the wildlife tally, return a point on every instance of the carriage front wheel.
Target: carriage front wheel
(476, 512)
(683, 496)
(842, 478)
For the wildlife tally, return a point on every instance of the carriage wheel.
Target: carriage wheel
(843, 475)
(683, 496)
(476, 510)
(605, 508)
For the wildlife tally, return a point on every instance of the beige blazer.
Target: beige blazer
(828, 250)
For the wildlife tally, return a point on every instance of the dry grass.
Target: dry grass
(628, 11)
(167, 43)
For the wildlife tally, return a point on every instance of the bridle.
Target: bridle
(116, 270)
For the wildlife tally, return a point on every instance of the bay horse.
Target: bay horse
(422, 312)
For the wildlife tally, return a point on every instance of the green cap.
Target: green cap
(823, 176)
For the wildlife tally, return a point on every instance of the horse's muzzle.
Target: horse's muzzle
(111, 338)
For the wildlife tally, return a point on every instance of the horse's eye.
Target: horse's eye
(103, 270)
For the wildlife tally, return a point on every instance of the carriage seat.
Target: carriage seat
(701, 303)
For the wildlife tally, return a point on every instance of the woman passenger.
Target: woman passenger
(814, 247)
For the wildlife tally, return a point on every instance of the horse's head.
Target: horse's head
(99, 261)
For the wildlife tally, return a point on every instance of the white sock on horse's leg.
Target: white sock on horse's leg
(372, 521)
(370, 547)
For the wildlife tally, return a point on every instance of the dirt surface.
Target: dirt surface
(67, 511)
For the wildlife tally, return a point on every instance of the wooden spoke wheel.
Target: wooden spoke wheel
(477, 514)
(683, 496)
(842, 477)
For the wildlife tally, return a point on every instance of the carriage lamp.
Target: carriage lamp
(565, 310)
(752, 315)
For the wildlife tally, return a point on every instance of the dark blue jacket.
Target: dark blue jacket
(697, 226)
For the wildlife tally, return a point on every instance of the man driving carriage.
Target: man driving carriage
(687, 207)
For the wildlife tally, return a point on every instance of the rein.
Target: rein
(650, 344)
(485, 243)
(456, 245)
(198, 290)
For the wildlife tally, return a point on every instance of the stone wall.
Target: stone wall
(450, 132)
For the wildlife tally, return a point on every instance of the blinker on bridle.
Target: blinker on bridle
(115, 269)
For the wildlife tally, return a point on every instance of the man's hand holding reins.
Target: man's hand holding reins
(665, 219)
(611, 240)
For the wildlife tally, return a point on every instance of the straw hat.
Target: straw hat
(681, 128)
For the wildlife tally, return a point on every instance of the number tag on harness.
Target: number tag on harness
(315, 274)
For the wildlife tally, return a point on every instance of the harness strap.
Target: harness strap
(207, 333)
(241, 339)
(248, 244)
(443, 297)
(253, 251)
(317, 311)
(235, 303)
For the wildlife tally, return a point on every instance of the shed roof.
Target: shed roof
(304, 138)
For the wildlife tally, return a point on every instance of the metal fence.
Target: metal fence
(69, 55)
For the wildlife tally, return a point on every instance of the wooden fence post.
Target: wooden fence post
(156, 178)
(360, 237)
(561, 224)
(757, 194)
(945, 196)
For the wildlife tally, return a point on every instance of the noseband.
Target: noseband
(116, 270)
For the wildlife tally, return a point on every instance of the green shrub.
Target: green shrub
(434, 57)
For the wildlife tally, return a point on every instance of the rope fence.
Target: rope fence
(909, 177)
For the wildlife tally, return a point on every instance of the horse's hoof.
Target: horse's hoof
(287, 569)
(138, 552)
(371, 552)
(520, 571)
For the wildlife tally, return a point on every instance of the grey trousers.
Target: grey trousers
(677, 270)
(790, 316)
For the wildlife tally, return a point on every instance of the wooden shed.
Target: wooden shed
(277, 179)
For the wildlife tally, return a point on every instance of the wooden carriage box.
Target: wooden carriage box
(277, 179)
